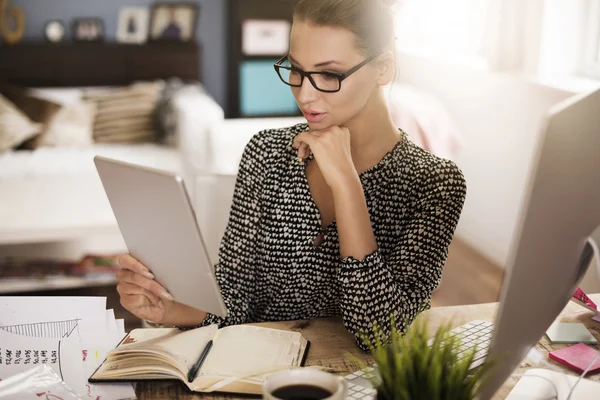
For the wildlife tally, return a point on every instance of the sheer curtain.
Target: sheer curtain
(504, 33)
(449, 29)
(513, 34)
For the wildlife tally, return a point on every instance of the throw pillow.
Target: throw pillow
(15, 127)
(126, 114)
(63, 96)
(37, 110)
(72, 126)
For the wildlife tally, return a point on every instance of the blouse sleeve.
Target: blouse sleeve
(234, 271)
(400, 284)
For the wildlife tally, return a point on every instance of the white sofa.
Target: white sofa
(53, 194)
(52, 202)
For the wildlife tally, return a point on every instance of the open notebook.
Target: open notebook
(239, 360)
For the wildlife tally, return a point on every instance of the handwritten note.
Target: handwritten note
(27, 356)
(69, 335)
(20, 353)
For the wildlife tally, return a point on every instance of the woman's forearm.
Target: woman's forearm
(353, 220)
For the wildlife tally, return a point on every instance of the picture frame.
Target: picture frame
(87, 30)
(133, 25)
(265, 37)
(173, 21)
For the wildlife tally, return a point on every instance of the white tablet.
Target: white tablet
(159, 227)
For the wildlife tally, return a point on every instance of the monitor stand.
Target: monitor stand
(592, 247)
(594, 243)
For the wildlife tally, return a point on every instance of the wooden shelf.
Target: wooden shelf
(43, 64)
(238, 11)
(25, 285)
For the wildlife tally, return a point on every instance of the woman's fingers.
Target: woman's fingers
(141, 307)
(303, 151)
(302, 143)
(129, 289)
(151, 285)
(128, 262)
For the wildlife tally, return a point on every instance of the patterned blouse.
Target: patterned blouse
(270, 268)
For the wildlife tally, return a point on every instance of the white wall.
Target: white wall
(499, 116)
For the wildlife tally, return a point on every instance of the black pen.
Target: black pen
(196, 367)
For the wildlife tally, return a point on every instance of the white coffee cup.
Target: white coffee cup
(334, 384)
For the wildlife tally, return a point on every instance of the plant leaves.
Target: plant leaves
(409, 368)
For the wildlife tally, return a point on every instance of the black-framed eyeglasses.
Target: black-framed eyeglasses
(328, 82)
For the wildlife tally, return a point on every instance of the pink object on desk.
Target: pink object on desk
(577, 357)
(583, 298)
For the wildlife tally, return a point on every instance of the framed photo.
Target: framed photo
(265, 37)
(174, 21)
(133, 25)
(87, 30)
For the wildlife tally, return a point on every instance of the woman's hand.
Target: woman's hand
(140, 293)
(332, 151)
(147, 299)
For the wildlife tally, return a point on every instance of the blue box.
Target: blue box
(262, 92)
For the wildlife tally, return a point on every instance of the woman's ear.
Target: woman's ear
(386, 68)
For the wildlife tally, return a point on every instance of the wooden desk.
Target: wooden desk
(332, 345)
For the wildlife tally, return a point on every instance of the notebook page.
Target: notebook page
(183, 347)
(242, 350)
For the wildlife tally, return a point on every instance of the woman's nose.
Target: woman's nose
(307, 93)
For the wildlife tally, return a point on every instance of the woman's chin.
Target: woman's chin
(319, 126)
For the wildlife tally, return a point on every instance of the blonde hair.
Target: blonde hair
(371, 21)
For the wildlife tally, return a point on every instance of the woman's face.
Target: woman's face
(320, 48)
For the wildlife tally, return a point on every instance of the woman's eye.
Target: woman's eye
(294, 73)
(329, 77)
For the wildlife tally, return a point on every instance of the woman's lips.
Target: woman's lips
(313, 116)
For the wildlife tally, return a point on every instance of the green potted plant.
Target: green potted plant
(409, 368)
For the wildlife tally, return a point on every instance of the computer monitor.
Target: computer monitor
(550, 252)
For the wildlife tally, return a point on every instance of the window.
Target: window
(441, 28)
(554, 39)
(591, 53)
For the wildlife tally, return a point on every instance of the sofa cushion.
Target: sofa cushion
(64, 96)
(125, 114)
(72, 126)
(36, 109)
(15, 127)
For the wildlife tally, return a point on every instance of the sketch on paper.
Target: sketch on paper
(53, 329)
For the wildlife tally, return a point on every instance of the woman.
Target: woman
(340, 216)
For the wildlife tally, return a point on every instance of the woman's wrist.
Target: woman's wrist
(348, 184)
(178, 314)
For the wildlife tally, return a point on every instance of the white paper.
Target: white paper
(34, 383)
(93, 355)
(121, 326)
(20, 353)
(265, 37)
(111, 322)
(53, 317)
(70, 335)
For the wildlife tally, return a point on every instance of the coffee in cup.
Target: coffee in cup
(304, 384)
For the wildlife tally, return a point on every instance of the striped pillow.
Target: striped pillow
(126, 114)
